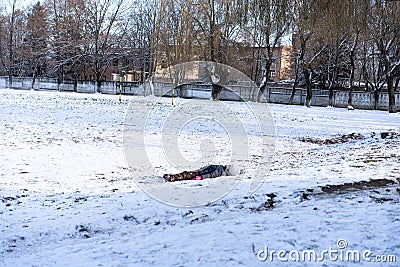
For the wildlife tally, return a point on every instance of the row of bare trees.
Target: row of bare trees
(74, 39)
(336, 44)
(348, 44)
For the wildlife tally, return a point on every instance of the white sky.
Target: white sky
(19, 3)
(26, 3)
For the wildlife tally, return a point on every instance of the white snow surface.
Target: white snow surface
(68, 199)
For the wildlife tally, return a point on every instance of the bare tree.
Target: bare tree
(137, 45)
(12, 45)
(386, 36)
(11, 51)
(36, 40)
(381, 57)
(63, 28)
(268, 22)
(358, 13)
(305, 19)
(332, 32)
(175, 32)
(3, 19)
(104, 29)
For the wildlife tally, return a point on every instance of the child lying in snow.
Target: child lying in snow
(210, 171)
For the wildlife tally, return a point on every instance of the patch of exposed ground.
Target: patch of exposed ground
(373, 185)
(347, 138)
(362, 185)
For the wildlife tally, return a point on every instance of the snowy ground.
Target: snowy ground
(67, 197)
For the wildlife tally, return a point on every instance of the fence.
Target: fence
(279, 95)
(364, 100)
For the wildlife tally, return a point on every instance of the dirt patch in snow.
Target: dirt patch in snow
(378, 190)
(347, 138)
(330, 141)
(373, 186)
(269, 204)
(362, 185)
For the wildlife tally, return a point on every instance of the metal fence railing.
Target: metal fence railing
(234, 92)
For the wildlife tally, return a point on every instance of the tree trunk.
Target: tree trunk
(216, 91)
(33, 80)
(306, 74)
(59, 80)
(350, 101)
(331, 95)
(351, 81)
(296, 80)
(10, 81)
(376, 99)
(260, 96)
(211, 40)
(389, 81)
(98, 85)
(264, 83)
(309, 96)
(98, 77)
(75, 79)
(293, 94)
(392, 100)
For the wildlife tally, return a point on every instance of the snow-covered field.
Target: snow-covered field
(68, 199)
